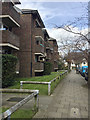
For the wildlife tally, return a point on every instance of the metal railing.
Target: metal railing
(44, 83)
(33, 93)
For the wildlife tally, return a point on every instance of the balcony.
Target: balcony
(9, 21)
(39, 67)
(39, 46)
(10, 39)
(39, 49)
(9, 15)
(48, 54)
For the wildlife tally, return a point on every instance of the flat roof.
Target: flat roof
(34, 12)
(13, 1)
(52, 39)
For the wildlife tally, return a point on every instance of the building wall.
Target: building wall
(85, 63)
(10, 39)
(25, 45)
(28, 46)
(24, 37)
(38, 35)
(7, 9)
(54, 55)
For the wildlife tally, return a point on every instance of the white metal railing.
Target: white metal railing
(33, 93)
(44, 83)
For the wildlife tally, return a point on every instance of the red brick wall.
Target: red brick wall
(7, 9)
(25, 45)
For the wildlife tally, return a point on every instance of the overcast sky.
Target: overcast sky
(57, 13)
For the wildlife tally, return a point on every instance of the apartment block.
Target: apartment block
(10, 19)
(31, 55)
(24, 35)
(55, 55)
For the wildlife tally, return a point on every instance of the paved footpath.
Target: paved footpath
(69, 100)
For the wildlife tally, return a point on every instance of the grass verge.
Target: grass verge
(21, 113)
(43, 89)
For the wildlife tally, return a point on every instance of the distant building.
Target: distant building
(72, 64)
(84, 63)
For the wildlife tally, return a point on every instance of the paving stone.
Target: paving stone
(54, 115)
(64, 115)
(54, 109)
(84, 113)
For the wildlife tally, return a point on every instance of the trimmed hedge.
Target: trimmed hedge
(47, 68)
(8, 70)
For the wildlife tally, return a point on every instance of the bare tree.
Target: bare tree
(81, 37)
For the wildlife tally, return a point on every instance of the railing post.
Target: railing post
(60, 76)
(21, 85)
(49, 88)
(37, 101)
(8, 118)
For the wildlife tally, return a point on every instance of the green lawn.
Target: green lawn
(29, 113)
(21, 113)
(43, 89)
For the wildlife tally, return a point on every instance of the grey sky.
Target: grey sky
(57, 12)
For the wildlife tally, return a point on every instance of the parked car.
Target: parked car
(79, 69)
(83, 70)
(86, 74)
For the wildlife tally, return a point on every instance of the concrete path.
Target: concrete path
(69, 100)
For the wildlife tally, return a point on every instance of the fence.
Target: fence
(33, 93)
(44, 83)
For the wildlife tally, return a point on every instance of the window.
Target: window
(10, 28)
(36, 58)
(3, 51)
(3, 27)
(37, 42)
(40, 42)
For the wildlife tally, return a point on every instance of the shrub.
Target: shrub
(61, 66)
(47, 68)
(8, 70)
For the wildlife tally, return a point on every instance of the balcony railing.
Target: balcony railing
(39, 67)
(8, 9)
(9, 37)
(39, 49)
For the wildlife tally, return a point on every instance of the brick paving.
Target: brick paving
(69, 100)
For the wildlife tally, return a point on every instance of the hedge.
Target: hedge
(8, 70)
(47, 68)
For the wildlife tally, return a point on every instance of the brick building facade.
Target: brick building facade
(24, 35)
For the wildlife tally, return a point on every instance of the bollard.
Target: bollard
(49, 88)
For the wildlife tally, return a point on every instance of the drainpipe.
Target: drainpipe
(31, 57)
(31, 50)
